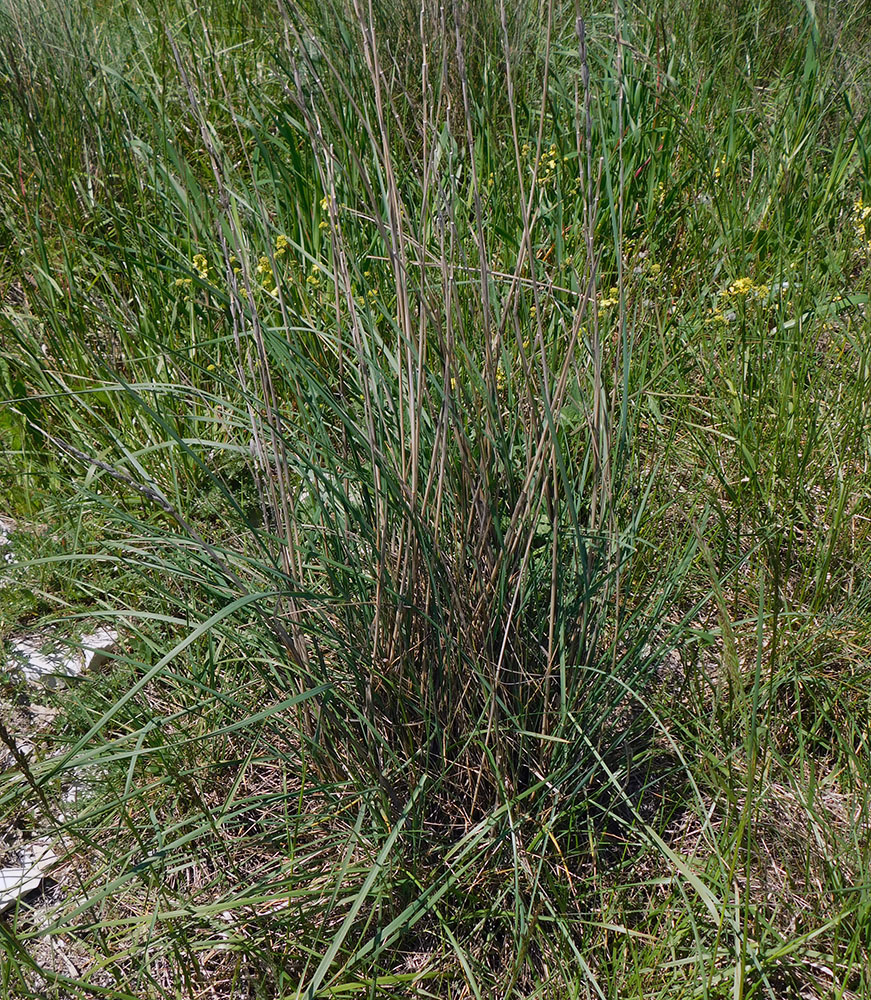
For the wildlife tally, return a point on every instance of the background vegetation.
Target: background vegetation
(463, 413)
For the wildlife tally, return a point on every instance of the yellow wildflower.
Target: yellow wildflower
(201, 265)
(743, 287)
(607, 303)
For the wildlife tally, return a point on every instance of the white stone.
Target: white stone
(7, 556)
(18, 880)
(7, 526)
(98, 647)
(48, 663)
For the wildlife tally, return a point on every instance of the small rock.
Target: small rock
(48, 662)
(99, 646)
(18, 880)
(43, 715)
(37, 663)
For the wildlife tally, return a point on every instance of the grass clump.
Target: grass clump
(460, 413)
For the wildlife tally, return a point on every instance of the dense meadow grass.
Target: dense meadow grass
(463, 413)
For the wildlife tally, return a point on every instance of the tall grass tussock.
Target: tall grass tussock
(461, 413)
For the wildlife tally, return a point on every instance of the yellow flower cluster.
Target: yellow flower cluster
(612, 299)
(743, 287)
(265, 272)
(324, 225)
(201, 265)
(546, 166)
(269, 271)
(550, 164)
(266, 275)
(716, 315)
